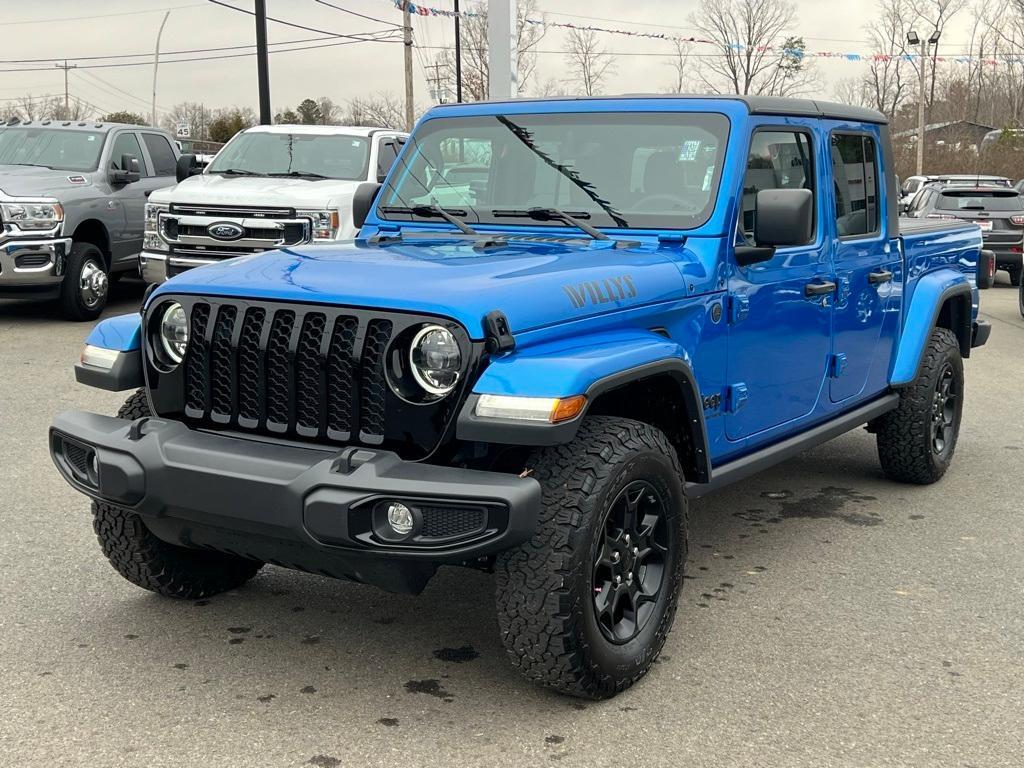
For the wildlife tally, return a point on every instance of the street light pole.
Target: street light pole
(913, 39)
(920, 111)
(410, 112)
(156, 63)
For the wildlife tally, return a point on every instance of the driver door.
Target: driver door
(779, 333)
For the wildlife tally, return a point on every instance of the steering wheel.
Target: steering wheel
(675, 200)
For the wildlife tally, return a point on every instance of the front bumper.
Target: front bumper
(159, 267)
(290, 505)
(29, 267)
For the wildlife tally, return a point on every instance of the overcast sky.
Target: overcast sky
(73, 28)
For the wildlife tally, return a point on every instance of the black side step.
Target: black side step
(753, 463)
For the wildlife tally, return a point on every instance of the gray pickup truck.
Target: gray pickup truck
(72, 206)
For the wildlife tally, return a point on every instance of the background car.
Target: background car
(998, 211)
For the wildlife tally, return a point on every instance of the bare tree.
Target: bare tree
(853, 91)
(588, 62)
(680, 64)
(475, 71)
(196, 115)
(753, 54)
(383, 110)
(888, 80)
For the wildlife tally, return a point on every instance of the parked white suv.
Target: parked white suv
(271, 186)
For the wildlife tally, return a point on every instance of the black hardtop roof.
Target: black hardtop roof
(756, 105)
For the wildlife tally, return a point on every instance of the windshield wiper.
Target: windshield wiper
(432, 210)
(237, 172)
(553, 214)
(304, 174)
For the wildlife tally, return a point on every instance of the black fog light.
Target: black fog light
(395, 521)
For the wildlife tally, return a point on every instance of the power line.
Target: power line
(302, 26)
(55, 20)
(353, 13)
(204, 58)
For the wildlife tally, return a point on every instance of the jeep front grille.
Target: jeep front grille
(306, 372)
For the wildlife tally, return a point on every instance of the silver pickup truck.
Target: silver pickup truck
(72, 203)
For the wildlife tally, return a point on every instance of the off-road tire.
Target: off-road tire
(72, 303)
(545, 587)
(153, 564)
(904, 435)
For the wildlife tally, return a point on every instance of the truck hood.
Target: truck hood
(35, 181)
(534, 284)
(217, 189)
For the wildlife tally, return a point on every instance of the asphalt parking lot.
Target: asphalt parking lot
(830, 618)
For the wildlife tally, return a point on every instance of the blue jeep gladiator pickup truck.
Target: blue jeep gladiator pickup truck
(561, 320)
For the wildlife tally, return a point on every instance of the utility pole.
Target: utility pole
(440, 87)
(65, 66)
(156, 63)
(458, 55)
(262, 61)
(407, 45)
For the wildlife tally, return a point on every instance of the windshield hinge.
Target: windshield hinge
(674, 239)
(499, 336)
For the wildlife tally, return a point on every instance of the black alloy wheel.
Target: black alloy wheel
(944, 409)
(629, 567)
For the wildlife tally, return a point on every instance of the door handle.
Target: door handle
(819, 289)
(881, 276)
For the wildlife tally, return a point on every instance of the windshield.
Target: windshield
(294, 154)
(57, 148)
(980, 200)
(648, 170)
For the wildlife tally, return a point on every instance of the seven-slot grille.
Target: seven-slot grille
(287, 370)
(298, 371)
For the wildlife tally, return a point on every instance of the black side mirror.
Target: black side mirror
(362, 202)
(781, 217)
(187, 166)
(131, 173)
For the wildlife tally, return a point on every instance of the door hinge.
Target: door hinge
(836, 365)
(739, 308)
(735, 397)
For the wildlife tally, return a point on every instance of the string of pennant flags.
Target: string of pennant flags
(418, 9)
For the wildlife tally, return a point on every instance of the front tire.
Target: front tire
(916, 441)
(585, 606)
(150, 562)
(83, 293)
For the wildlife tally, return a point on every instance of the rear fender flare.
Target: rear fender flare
(933, 291)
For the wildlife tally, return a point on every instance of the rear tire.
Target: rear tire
(152, 563)
(614, 508)
(916, 441)
(83, 293)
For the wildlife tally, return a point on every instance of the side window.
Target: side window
(386, 156)
(855, 184)
(778, 160)
(160, 152)
(127, 144)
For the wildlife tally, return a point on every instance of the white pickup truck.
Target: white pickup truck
(271, 186)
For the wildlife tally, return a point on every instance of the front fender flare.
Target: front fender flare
(931, 293)
(121, 334)
(589, 367)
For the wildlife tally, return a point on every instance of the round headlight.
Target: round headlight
(174, 332)
(435, 360)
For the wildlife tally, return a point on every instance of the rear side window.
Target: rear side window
(777, 160)
(855, 184)
(980, 200)
(386, 156)
(160, 152)
(127, 144)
